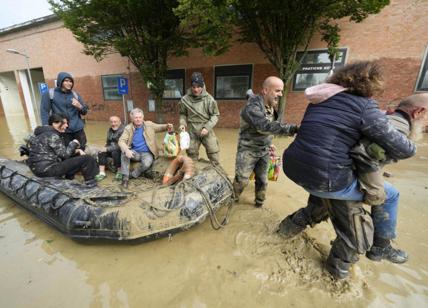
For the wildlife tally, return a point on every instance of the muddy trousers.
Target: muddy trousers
(210, 143)
(115, 155)
(353, 226)
(69, 167)
(79, 136)
(146, 161)
(248, 161)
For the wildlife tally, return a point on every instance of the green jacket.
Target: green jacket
(197, 112)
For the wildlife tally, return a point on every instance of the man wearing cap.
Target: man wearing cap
(199, 114)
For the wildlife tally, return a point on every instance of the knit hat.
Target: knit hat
(197, 79)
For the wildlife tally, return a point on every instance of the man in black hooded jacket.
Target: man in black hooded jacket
(50, 157)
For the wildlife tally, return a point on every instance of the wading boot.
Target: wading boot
(260, 198)
(293, 224)
(238, 188)
(338, 268)
(125, 182)
(388, 253)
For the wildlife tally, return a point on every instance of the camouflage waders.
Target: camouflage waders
(210, 143)
(246, 162)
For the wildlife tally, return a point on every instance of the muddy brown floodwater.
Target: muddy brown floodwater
(243, 265)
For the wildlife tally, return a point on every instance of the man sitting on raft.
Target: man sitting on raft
(50, 156)
(138, 143)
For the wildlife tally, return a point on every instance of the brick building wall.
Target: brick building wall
(397, 37)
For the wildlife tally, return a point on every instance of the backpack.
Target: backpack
(51, 97)
(52, 91)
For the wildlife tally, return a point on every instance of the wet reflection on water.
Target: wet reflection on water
(245, 264)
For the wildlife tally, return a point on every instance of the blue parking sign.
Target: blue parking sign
(43, 88)
(122, 85)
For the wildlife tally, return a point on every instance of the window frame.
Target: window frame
(312, 68)
(103, 88)
(233, 70)
(423, 70)
(171, 74)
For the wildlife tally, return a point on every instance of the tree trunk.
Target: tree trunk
(283, 102)
(159, 118)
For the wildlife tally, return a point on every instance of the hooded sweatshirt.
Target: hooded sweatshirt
(61, 104)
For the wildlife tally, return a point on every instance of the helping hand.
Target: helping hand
(204, 132)
(80, 152)
(129, 154)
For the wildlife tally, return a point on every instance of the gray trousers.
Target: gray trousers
(145, 158)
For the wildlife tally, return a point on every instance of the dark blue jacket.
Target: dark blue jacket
(61, 104)
(319, 158)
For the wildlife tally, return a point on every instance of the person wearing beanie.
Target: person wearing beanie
(64, 100)
(198, 115)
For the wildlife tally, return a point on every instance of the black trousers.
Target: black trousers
(79, 136)
(115, 154)
(69, 167)
(353, 225)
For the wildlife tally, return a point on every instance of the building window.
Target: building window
(174, 84)
(109, 83)
(232, 82)
(422, 84)
(315, 67)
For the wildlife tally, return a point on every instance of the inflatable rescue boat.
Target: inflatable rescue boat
(146, 210)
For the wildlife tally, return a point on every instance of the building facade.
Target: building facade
(397, 37)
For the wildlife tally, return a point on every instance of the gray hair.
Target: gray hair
(135, 111)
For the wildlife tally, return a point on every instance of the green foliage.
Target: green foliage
(146, 32)
(279, 27)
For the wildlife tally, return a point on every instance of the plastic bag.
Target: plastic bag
(184, 140)
(273, 168)
(171, 147)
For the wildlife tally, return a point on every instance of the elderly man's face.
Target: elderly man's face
(138, 119)
(115, 123)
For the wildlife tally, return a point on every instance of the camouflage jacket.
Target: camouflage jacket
(112, 142)
(258, 124)
(47, 147)
(198, 112)
(368, 156)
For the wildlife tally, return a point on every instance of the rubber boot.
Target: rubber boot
(293, 224)
(312, 214)
(238, 188)
(340, 259)
(260, 198)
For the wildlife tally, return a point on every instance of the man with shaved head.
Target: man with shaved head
(111, 149)
(409, 118)
(258, 123)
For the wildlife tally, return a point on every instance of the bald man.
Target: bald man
(410, 119)
(111, 149)
(258, 123)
